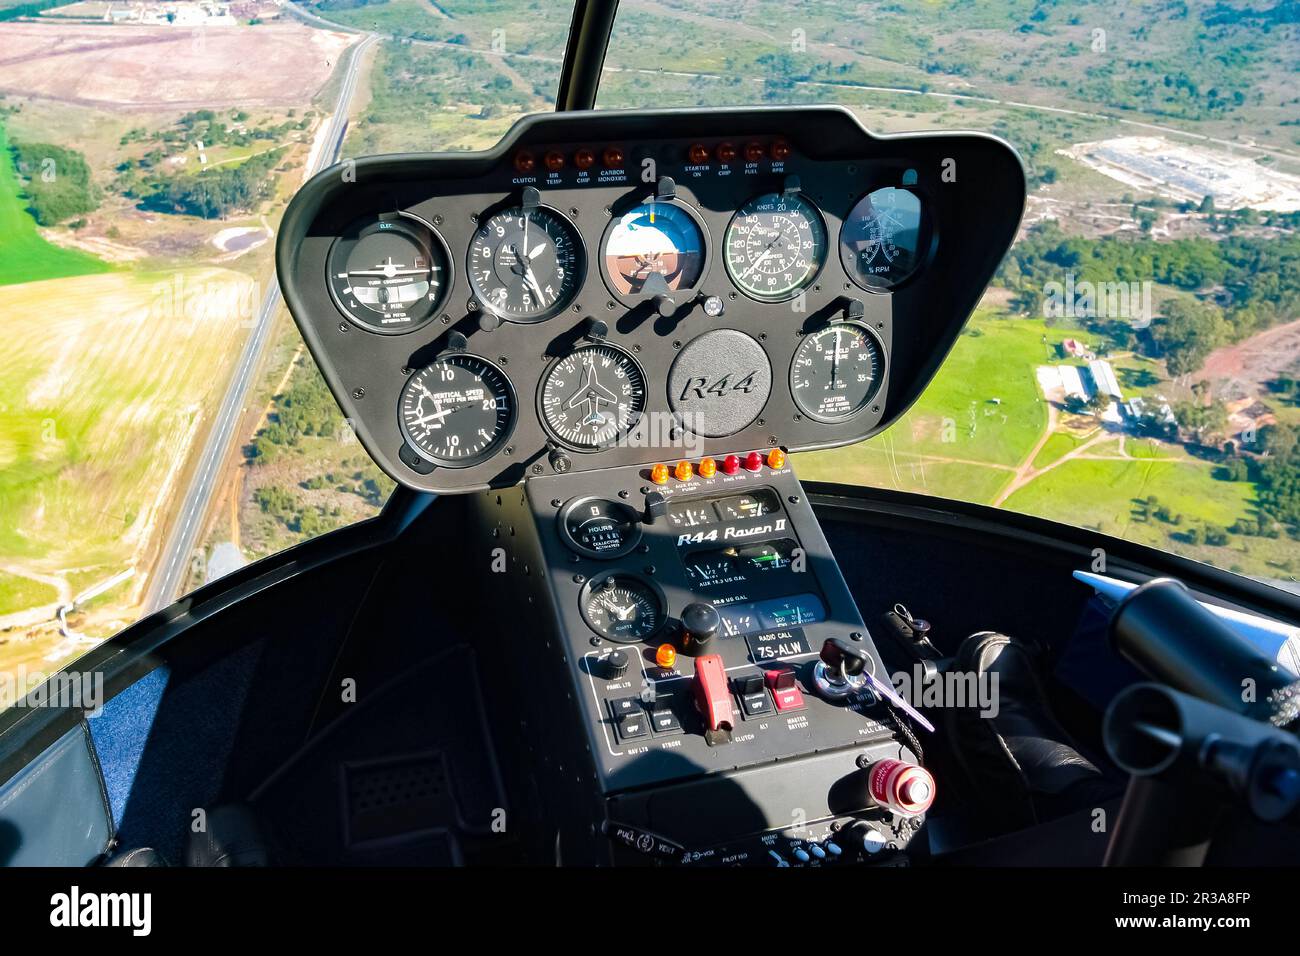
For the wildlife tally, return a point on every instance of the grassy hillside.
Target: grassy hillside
(24, 255)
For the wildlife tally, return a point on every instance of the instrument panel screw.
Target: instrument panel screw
(343, 326)
(794, 499)
(875, 408)
(649, 569)
(855, 635)
(576, 308)
(610, 306)
(406, 370)
(471, 306)
(573, 212)
(771, 439)
(863, 761)
(733, 296)
(762, 336)
(555, 502)
(579, 579)
(636, 348)
(677, 345)
(624, 493)
(473, 217)
(446, 319)
(359, 392)
(437, 220)
(798, 417)
(537, 469)
(502, 360)
(508, 450)
(596, 641)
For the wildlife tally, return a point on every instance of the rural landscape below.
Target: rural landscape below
(1134, 369)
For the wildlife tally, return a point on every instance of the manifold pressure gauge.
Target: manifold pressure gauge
(836, 371)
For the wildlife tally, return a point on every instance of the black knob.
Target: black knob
(616, 665)
(560, 462)
(665, 305)
(837, 653)
(700, 621)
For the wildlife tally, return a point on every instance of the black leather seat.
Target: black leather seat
(233, 836)
(1021, 762)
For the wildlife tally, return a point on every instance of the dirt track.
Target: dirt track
(167, 67)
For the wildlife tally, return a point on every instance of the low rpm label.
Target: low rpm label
(774, 645)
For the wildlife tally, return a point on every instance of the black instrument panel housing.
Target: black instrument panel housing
(972, 184)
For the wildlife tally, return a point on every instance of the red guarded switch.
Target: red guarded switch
(712, 695)
(785, 692)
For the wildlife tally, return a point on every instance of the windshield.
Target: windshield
(1133, 368)
(160, 422)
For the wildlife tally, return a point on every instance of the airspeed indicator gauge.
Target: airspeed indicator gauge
(775, 246)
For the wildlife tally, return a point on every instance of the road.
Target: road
(173, 565)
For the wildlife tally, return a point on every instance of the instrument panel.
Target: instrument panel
(608, 289)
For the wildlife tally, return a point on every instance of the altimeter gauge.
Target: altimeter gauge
(836, 371)
(592, 397)
(526, 263)
(389, 274)
(457, 411)
(775, 246)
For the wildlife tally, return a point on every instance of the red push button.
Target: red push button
(785, 691)
(712, 696)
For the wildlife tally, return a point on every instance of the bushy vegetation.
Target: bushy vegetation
(306, 409)
(212, 193)
(1260, 276)
(56, 181)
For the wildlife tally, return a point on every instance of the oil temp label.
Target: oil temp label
(773, 645)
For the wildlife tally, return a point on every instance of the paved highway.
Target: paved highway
(173, 565)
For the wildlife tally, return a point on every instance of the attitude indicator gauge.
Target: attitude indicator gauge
(458, 411)
(600, 528)
(885, 238)
(389, 275)
(526, 263)
(775, 246)
(836, 371)
(655, 247)
(623, 608)
(592, 397)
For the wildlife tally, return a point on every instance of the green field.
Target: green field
(17, 593)
(24, 255)
(956, 442)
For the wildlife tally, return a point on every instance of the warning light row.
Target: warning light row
(685, 470)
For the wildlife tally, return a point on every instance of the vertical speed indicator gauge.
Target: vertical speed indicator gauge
(458, 411)
(836, 372)
(526, 263)
(593, 396)
(389, 274)
(776, 245)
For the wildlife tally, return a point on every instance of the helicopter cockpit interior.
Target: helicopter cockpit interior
(602, 621)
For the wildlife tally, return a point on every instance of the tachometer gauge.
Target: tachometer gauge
(776, 244)
(600, 528)
(593, 396)
(458, 411)
(885, 237)
(622, 608)
(390, 274)
(657, 246)
(836, 371)
(526, 264)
